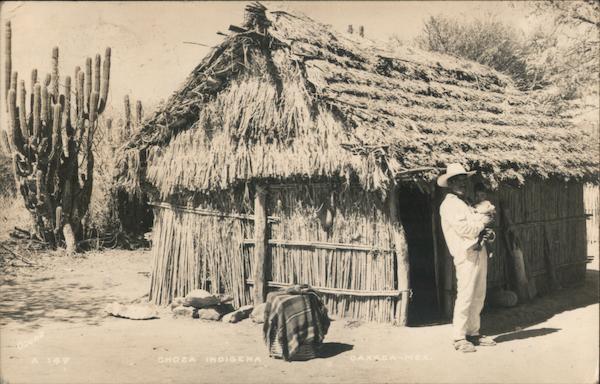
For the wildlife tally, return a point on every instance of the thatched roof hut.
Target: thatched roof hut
(288, 104)
(321, 103)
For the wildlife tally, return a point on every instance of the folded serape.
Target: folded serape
(294, 317)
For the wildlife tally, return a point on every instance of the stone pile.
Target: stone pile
(200, 304)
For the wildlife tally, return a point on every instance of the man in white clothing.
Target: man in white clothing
(461, 226)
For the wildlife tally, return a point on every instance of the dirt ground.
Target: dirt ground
(53, 331)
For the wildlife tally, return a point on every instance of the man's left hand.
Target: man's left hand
(489, 235)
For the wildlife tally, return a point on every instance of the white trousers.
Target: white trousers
(471, 276)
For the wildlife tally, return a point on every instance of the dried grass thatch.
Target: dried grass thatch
(289, 97)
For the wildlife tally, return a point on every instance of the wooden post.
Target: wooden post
(260, 244)
(447, 277)
(518, 261)
(401, 246)
(436, 254)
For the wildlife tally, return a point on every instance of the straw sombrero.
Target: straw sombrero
(452, 170)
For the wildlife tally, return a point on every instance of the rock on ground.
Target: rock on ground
(177, 302)
(209, 314)
(199, 298)
(241, 314)
(182, 311)
(132, 311)
(258, 313)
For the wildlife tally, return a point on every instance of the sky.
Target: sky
(149, 57)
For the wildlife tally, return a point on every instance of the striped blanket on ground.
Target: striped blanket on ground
(294, 317)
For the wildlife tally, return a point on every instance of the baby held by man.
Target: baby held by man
(485, 208)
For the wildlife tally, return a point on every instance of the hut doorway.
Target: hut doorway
(416, 214)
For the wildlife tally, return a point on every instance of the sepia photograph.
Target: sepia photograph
(296, 192)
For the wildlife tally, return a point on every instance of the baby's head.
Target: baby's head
(486, 208)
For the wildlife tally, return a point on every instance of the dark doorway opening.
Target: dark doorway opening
(416, 215)
(135, 214)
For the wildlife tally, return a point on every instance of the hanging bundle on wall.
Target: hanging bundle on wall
(329, 213)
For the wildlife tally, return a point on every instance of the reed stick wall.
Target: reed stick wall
(591, 198)
(339, 238)
(548, 216)
(195, 250)
(334, 238)
(355, 253)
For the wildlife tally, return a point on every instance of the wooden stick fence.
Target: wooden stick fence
(338, 291)
(554, 220)
(207, 212)
(197, 251)
(591, 200)
(322, 245)
(351, 261)
(552, 229)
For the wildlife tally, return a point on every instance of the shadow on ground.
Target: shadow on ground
(55, 298)
(519, 335)
(495, 321)
(334, 349)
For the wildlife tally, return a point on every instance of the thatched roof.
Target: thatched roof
(288, 97)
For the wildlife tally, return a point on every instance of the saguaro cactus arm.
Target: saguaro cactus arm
(7, 57)
(97, 73)
(15, 129)
(127, 109)
(34, 80)
(23, 111)
(105, 81)
(56, 124)
(45, 107)
(54, 91)
(88, 82)
(139, 112)
(37, 111)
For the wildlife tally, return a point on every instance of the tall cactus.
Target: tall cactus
(127, 125)
(109, 133)
(51, 146)
(131, 124)
(139, 113)
(7, 57)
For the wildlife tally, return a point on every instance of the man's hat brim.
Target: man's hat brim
(442, 181)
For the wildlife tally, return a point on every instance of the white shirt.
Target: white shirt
(461, 225)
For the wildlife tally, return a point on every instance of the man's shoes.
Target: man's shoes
(464, 345)
(481, 340)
